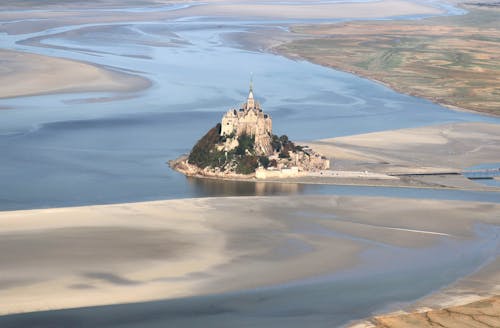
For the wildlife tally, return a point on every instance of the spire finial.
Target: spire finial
(251, 81)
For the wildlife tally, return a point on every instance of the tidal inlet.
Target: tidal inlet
(233, 163)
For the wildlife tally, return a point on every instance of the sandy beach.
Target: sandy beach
(446, 147)
(427, 150)
(372, 250)
(315, 10)
(83, 256)
(24, 74)
(60, 16)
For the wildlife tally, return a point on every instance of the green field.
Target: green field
(454, 60)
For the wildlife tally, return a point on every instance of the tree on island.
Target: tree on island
(242, 159)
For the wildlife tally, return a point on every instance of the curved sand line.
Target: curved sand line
(133, 252)
(26, 74)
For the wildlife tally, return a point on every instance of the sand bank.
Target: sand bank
(83, 256)
(24, 74)
(427, 150)
(443, 147)
(385, 8)
(56, 15)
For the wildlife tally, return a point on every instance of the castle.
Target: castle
(250, 120)
(243, 146)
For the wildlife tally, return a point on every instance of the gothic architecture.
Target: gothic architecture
(250, 120)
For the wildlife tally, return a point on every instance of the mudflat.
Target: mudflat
(448, 148)
(95, 255)
(25, 74)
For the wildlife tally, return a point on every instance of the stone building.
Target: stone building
(250, 120)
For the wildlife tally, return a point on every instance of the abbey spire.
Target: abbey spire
(250, 99)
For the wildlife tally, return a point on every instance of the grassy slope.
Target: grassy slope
(451, 60)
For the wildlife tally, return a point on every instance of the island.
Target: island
(243, 146)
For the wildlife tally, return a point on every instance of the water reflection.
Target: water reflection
(486, 174)
(213, 187)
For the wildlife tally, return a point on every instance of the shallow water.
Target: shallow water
(493, 172)
(66, 150)
(61, 150)
(387, 275)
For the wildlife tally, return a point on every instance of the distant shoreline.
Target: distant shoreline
(402, 80)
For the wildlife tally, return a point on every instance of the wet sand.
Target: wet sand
(82, 256)
(448, 148)
(302, 10)
(26, 21)
(24, 74)
(95, 255)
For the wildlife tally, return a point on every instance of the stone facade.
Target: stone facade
(250, 120)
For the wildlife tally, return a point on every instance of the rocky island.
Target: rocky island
(243, 145)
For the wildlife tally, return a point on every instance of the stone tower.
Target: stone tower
(251, 120)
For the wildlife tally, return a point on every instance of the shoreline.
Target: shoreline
(389, 85)
(467, 311)
(339, 182)
(278, 47)
(144, 223)
(384, 83)
(387, 159)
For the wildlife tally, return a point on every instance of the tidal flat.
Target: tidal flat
(314, 255)
(281, 261)
(114, 146)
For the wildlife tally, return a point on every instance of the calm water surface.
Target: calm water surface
(375, 285)
(90, 148)
(60, 150)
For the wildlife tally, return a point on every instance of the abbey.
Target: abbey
(243, 145)
(249, 120)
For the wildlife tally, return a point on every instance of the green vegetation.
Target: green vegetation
(450, 60)
(245, 145)
(204, 152)
(284, 146)
(242, 159)
(264, 161)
